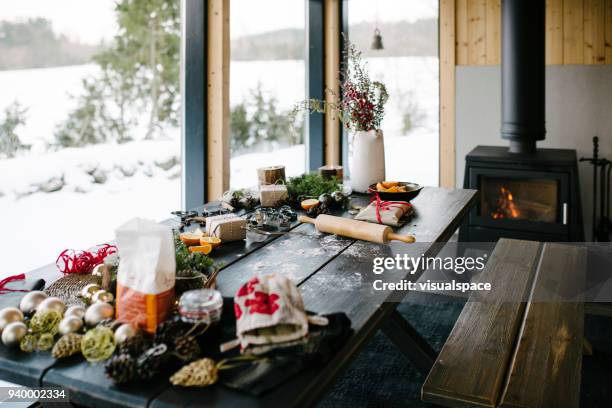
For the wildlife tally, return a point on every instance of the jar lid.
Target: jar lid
(201, 305)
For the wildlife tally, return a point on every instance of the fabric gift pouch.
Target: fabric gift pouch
(392, 213)
(270, 311)
(146, 273)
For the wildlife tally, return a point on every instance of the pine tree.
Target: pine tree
(10, 143)
(140, 69)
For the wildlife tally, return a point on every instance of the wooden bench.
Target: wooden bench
(519, 345)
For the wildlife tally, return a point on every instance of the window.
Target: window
(267, 77)
(408, 65)
(89, 132)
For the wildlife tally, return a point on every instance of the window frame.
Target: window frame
(194, 106)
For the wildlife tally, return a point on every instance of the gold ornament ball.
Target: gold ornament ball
(70, 324)
(98, 312)
(88, 290)
(9, 315)
(13, 333)
(52, 303)
(78, 311)
(124, 332)
(97, 270)
(31, 300)
(102, 296)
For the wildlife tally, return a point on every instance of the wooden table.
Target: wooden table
(328, 270)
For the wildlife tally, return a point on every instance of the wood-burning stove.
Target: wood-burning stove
(528, 196)
(525, 192)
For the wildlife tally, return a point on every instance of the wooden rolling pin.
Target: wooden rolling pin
(347, 227)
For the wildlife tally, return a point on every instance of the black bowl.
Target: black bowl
(413, 191)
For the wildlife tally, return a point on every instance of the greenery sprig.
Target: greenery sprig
(190, 263)
(309, 185)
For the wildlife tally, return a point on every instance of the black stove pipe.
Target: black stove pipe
(523, 73)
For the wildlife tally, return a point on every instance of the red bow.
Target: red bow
(386, 205)
(82, 262)
(14, 278)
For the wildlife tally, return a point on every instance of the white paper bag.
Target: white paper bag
(146, 274)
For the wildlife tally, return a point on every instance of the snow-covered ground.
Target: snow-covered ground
(75, 198)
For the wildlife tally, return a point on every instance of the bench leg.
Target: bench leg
(409, 342)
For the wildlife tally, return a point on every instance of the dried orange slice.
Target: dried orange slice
(190, 238)
(212, 241)
(380, 187)
(205, 249)
(309, 203)
(389, 184)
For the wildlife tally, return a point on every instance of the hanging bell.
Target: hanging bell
(377, 43)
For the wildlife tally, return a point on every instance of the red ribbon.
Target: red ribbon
(83, 262)
(14, 278)
(386, 205)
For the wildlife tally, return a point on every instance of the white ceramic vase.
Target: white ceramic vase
(366, 159)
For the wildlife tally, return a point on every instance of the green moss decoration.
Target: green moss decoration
(98, 344)
(45, 321)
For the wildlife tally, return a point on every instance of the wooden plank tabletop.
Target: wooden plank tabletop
(324, 267)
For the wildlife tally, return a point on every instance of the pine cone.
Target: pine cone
(235, 202)
(149, 363)
(168, 331)
(67, 345)
(200, 373)
(134, 345)
(249, 202)
(121, 368)
(187, 348)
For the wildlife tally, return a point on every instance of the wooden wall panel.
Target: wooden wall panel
(461, 27)
(554, 32)
(573, 32)
(608, 31)
(477, 10)
(493, 39)
(577, 31)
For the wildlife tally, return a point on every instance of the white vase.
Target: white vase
(366, 159)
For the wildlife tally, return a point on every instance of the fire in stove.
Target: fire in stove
(506, 207)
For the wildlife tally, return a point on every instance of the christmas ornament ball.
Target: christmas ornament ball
(70, 324)
(88, 290)
(75, 310)
(9, 315)
(97, 270)
(31, 300)
(13, 333)
(124, 332)
(52, 303)
(102, 296)
(98, 312)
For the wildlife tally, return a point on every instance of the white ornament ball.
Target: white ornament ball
(102, 296)
(13, 333)
(31, 300)
(98, 312)
(9, 315)
(88, 290)
(78, 311)
(52, 303)
(70, 324)
(124, 332)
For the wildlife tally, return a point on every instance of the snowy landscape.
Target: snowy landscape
(76, 197)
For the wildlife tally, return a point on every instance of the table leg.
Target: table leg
(409, 342)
